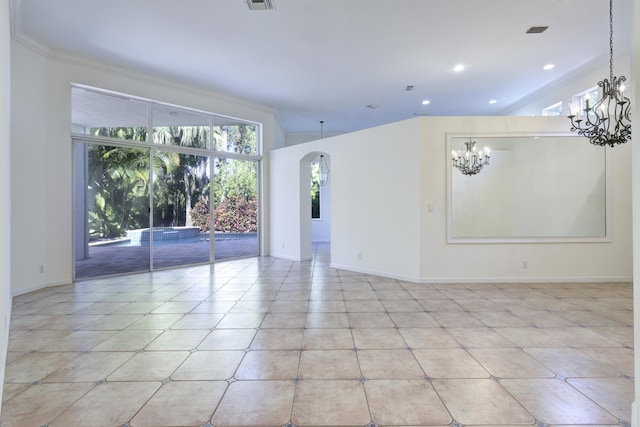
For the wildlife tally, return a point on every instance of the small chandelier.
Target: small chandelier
(608, 121)
(471, 161)
(323, 171)
(323, 168)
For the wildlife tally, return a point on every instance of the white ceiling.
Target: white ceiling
(329, 59)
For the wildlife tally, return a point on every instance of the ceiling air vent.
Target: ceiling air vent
(536, 30)
(260, 4)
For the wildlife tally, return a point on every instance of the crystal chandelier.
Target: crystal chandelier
(471, 161)
(608, 121)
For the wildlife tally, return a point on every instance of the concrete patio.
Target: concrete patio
(108, 260)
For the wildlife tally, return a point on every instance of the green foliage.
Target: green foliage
(102, 221)
(234, 215)
(234, 178)
(134, 134)
(120, 189)
(239, 139)
(184, 136)
(201, 216)
(315, 190)
(237, 215)
(119, 182)
(235, 198)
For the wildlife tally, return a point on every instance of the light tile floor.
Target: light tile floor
(268, 342)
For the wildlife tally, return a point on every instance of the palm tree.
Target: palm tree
(119, 180)
(192, 170)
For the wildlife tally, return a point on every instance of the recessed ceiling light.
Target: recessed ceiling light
(548, 67)
(426, 102)
(493, 101)
(458, 68)
(537, 30)
(260, 4)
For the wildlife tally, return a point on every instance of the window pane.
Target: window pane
(100, 114)
(181, 187)
(238, 138)
(553, 110)
(592, 96)
(315, 190)
(112, 207)
(236, 208)
(174, 126)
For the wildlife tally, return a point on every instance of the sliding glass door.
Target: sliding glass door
(159, 186)
(236, 208)
(181, 188)
(112, 201)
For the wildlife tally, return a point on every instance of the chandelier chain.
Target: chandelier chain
(611, 40)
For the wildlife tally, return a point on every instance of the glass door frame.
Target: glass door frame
(258, 164)
(152, 148)
(78, 187)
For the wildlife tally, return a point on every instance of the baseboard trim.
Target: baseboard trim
(291, 258)
(376, 273)
(512, 279)
(39, 287)
(520, 279)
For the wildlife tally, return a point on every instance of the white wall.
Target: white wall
(374, 200)
(30, 210)
(442, 262)
(285, 213)
(389, 208)
(295, 138)
(375, 215)
(5, 183)
(635, 148)
(321, 227)
(41, 198)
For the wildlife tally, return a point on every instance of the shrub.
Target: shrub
(237, 215)
(234, 215)
(200, 215)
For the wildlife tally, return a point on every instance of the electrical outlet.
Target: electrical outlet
(359, 256)
(525, 264)
(41, 269)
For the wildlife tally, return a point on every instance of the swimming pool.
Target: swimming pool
(174, 236)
